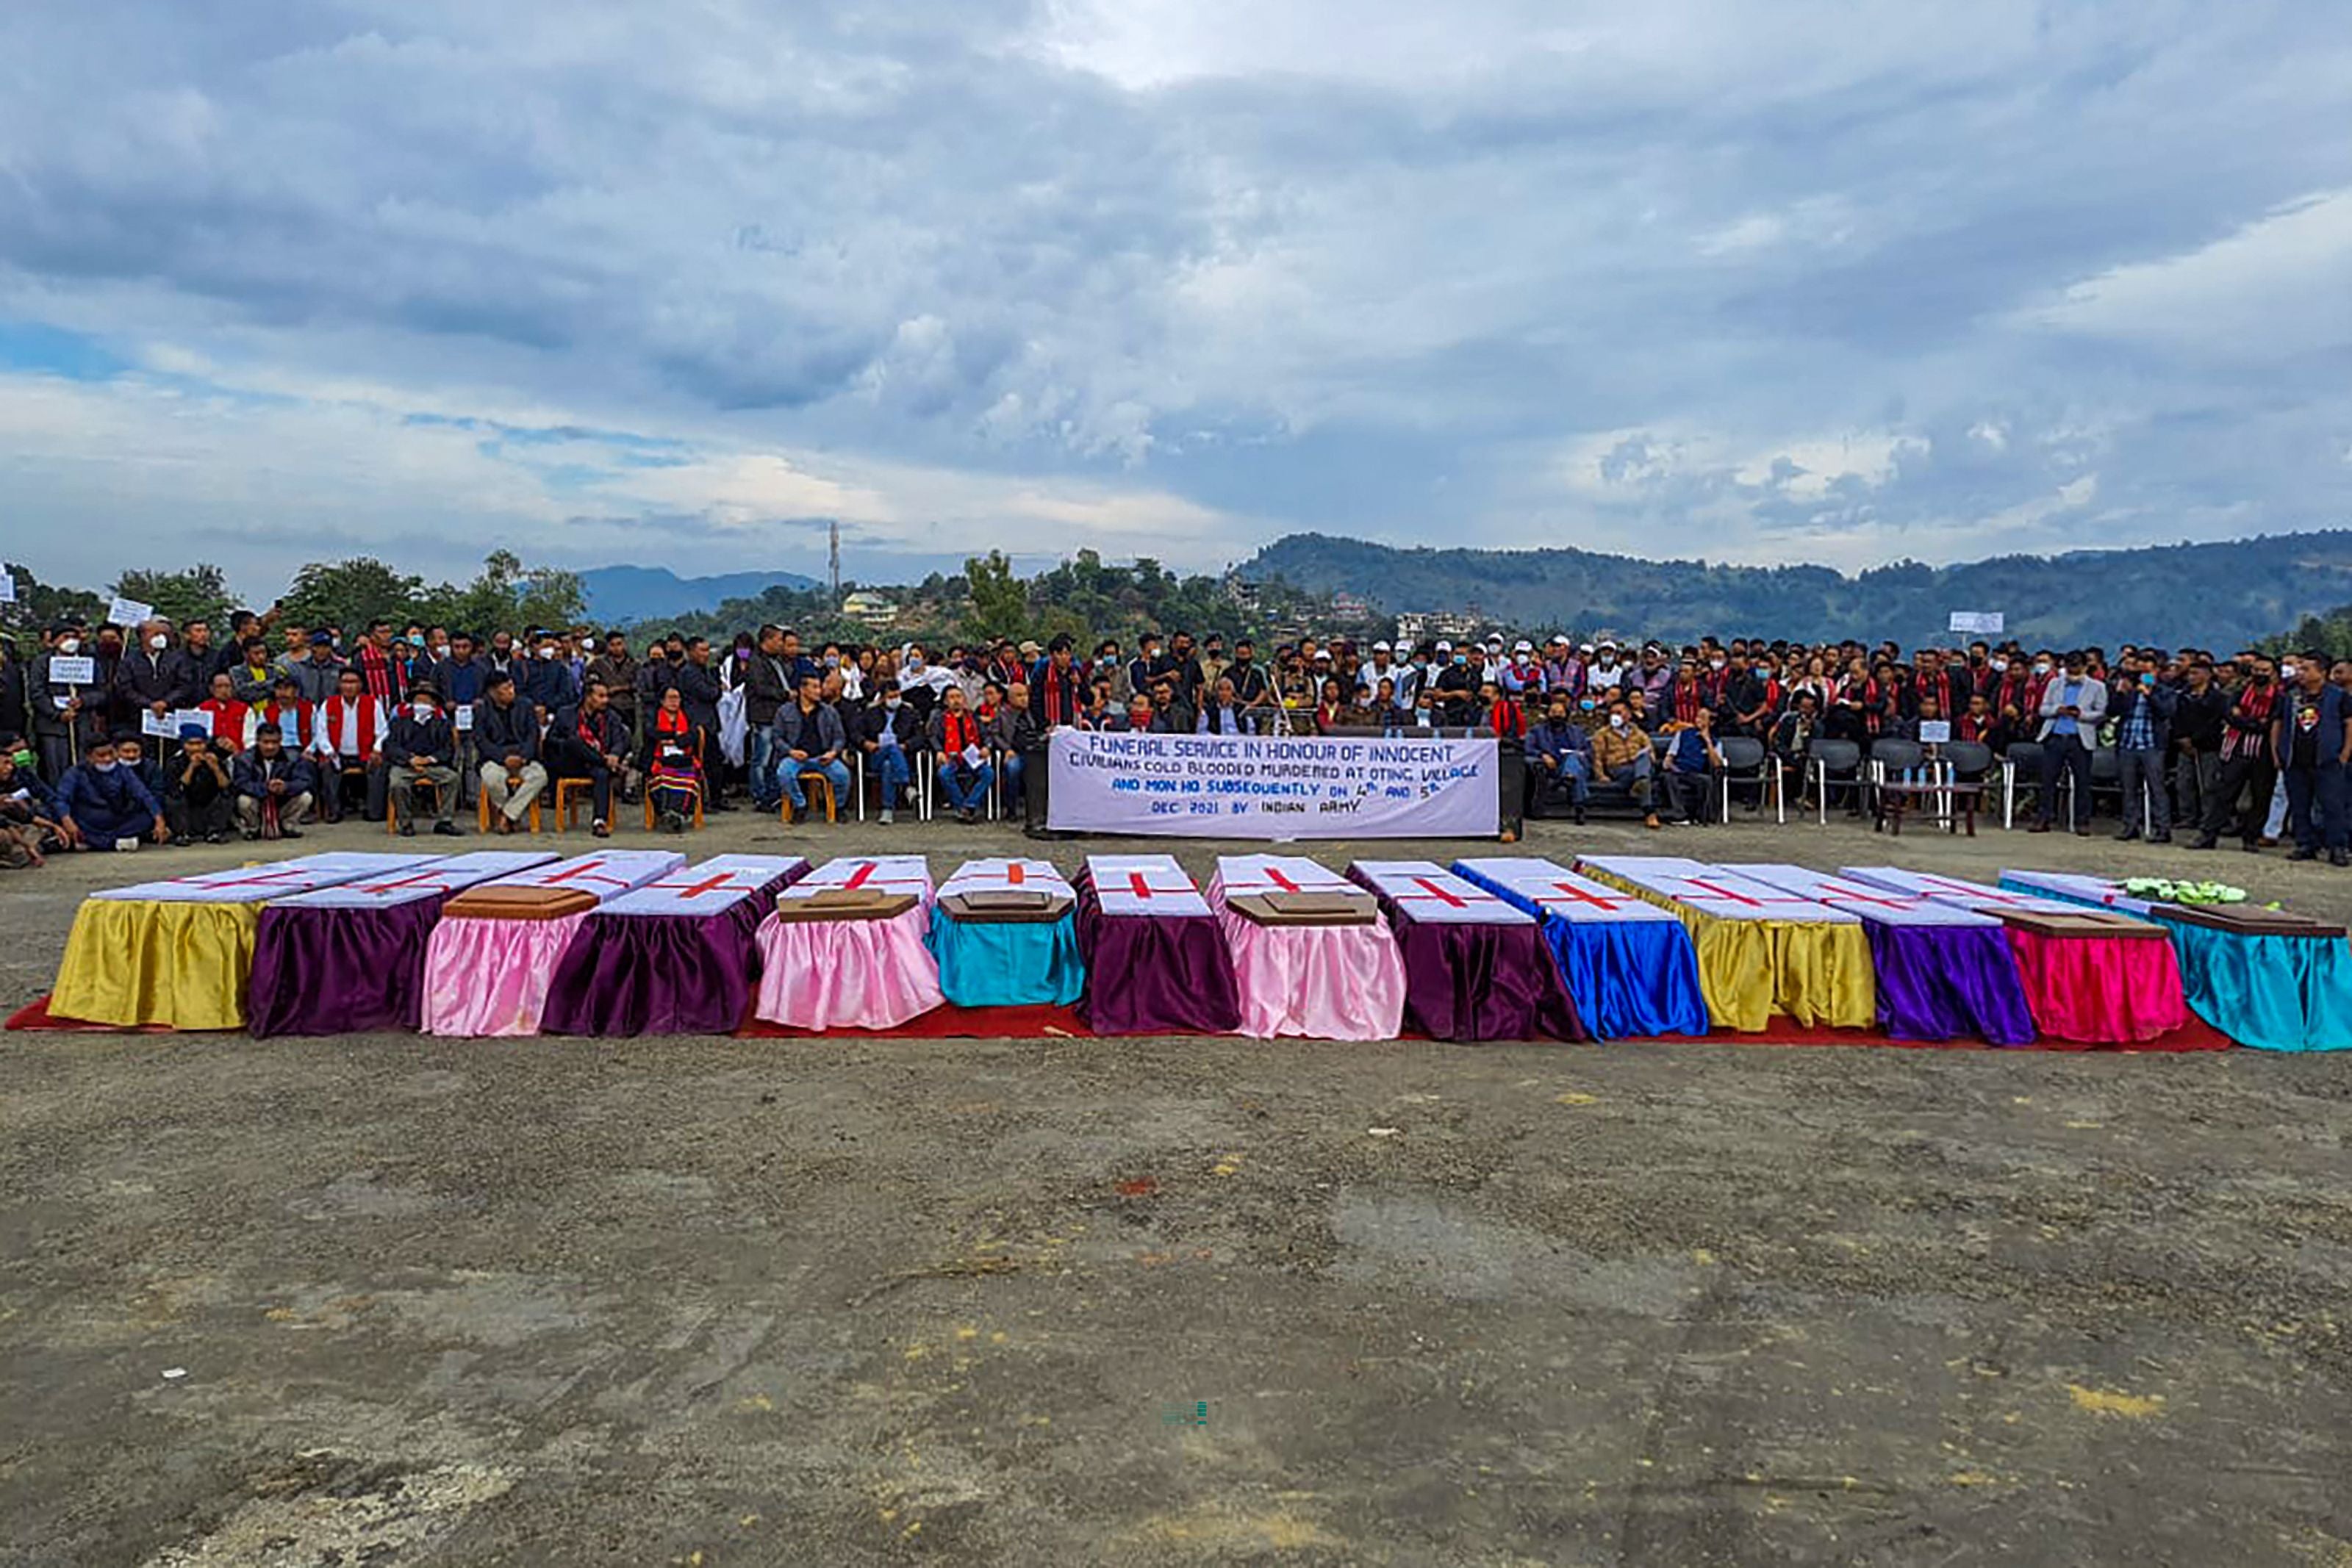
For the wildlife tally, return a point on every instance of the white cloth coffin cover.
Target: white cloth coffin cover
(1428, 893)
(1001, 875)
(1876, 905)
(431, 880)
(876, 873)
(2079, 889)
(253, 885)
(1713, 891)
(1579, 900)
(717, 883)
(1144, 884)
(1240, 874)
(605, 875)
(1976, 896)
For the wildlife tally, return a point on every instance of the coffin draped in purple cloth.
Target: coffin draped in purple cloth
(1472, 972)
(350, 959)
(1152, 974)
(676, 956)
(1944, 972)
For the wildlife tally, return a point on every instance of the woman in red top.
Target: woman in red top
(1326, 710)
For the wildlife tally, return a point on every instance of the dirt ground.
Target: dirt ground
(384, 1299)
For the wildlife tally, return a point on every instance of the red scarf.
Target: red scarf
(961, 731)
(1688, 700)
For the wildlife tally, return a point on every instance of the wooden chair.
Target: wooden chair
(392, 813)
(813, 779)
(649, 811)
(482, 803)
(571, 795)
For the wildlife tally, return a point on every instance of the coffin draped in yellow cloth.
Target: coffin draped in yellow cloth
(143, 961)
(1812, 972)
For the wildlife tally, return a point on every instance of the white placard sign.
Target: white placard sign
(1245, 786)
(128, 613)
(81, 671)
(1985, 623)
(1934, 731)
(7, 588)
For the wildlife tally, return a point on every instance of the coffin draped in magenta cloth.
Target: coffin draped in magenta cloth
(678, 955)
(1314, 982)
(2084, 991)
(1476, 969)
(1156, 960)
(1761, 950)
(1943, 971)
(350, 958)
(851, 974)
(1629, 966)
(490, 976)
(179, 952)
(1008, 962)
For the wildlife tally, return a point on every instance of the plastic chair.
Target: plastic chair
(2107, 778)
(811, 779)
(482, 808)
(1825, 758)
(1745, 761)
(2024, 757)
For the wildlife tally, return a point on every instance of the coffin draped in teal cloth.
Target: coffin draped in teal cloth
(1007, 962)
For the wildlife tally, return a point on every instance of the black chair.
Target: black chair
(2107, 778)
(1829, 759)
(1745, 761)
(2024, 757)
(1971, 760)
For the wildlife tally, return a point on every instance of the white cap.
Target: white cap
(1493, 642)
(1444, 646)
(1379, 647)
(1560, 639)
(1523, 646)
(1585, 648)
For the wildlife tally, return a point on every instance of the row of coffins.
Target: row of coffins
(630, 942)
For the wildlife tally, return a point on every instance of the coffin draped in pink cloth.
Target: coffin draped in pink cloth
(490, 977)
(851, 974)
(1316, 982)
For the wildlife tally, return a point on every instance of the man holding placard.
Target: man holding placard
(69, 700)
(155, 675)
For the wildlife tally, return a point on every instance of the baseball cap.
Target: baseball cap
(1523, 646)
(1444, 646)
(1380, 648)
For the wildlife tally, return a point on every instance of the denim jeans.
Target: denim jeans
(891, 764)
(968, 796)
(765, 789)
(1014, 767)
(836, 771)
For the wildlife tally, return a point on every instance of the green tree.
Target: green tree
(38, 604)
(196, 594)
(510, 595)
(999, 601)
(350, 594)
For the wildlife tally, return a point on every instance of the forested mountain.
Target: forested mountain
(2215, 595)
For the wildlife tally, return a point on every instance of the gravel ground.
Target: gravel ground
(394, 1301)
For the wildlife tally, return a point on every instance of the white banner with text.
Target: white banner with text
(1241, 787)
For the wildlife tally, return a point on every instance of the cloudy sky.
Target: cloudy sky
(604, 282)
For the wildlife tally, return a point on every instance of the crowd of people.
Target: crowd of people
(180, 734)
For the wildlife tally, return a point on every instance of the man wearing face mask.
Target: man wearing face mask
(155, 677)
(422, 747)
(2142, 709)
(1622, 755)
(548, 684)
(105, 804)
(2073, 708)
(66, 716)
(1455, 692)
(2311, 742)
(887, 738)
(1560, 762)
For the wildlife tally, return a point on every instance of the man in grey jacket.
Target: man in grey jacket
(2073, 705)
(810, 739)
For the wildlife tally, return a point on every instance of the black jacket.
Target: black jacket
(699, 684)
(501, 732)
(433, 738)
(143, 679)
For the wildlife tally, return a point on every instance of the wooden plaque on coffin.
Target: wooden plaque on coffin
(1303, 908)
(839, 904)
(515, 902)
(1006, 906)
(2244, 920)
(2077, 923)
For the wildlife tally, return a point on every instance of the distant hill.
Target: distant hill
(632, 593)
(2220, 596)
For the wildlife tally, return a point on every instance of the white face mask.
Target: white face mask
(547, 653)
(159, 642)
(103, 767)
(2001, 664)
(891, 700)
(1616, 721)
(2286, 671)
(1714, 663)
(69, 646)
(2042, 669)
(422, 710)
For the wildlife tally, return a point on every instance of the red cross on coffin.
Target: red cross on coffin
(1428, 893)
(880, 874)
(1559, 891)
(1711, 890)
(262, 884)
(1874, 904)
(1976, 896)
(432, 880)
(1151, 885)
(717, 885)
